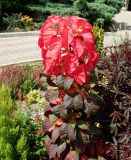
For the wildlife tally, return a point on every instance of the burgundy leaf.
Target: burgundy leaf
(46, 124)
(71, 133)
(51, 148)
(79, 140)
(77, 102)
(55, 135)
(87, 109)
(56, 109)
(61, 148)
(68, 102)
(63, 130)
(85, 137)
(60, 81)
(63, 113)
(116, 116)
(68, 82)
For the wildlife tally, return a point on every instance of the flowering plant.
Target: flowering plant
(69, 54)
(26, 19)
(68, 48)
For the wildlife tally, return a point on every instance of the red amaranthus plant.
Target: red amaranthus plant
(69, 56)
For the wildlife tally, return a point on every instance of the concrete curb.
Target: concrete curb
(19, 34)
(21, 62)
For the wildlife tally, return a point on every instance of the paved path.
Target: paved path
(24, 48)
(19, 49)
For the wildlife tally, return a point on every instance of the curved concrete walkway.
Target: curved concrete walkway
(19, 49)
(23, 47)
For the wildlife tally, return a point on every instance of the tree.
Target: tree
(101, 11)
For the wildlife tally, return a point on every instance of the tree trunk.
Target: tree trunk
(128, 5)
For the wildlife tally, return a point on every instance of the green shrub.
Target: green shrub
(13, 131)
(40, 12)
(18, 22)
(118, 4)
(99, 37)
(95, 12)
(36, 140)
(12, 22)
(34, 96)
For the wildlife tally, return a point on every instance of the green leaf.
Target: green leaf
(75, 154)
(73, 125)
(68, 82)
(77, 102)
(82, 124)
(52, 118)
(61, 148)
(68, 102)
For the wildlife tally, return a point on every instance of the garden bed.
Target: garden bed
(113, 85)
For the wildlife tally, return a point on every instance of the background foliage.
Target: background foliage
(100, 11)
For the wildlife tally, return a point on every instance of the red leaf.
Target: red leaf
(80, 75)
(69, 157)
(52, 56)
(52, 128)
(84, 157)
(56, 101)
(78, 47)
(59, 122)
